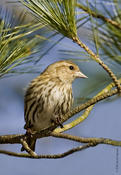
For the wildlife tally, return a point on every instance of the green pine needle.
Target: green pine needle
(59, 15)
(14, 49)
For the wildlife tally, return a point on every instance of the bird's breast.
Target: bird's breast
(58, 99)
(44, 102)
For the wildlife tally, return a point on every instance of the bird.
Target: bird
(49, 96)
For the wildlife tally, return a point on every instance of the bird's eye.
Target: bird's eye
(71, 67)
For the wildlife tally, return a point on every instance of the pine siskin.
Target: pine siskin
(49, 96)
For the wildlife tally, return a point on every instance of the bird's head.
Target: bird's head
(65, 70)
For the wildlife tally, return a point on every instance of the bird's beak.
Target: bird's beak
(80, 75)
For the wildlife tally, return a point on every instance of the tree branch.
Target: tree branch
(92, 140)
(88, 103)
(99, 61)
(97, 15)
(86, 112)
(26, 147)
(13, 139)
(20, 138)
(75, 122)
(54, 156)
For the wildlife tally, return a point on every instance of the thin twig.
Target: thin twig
(87, 140)
(96, 15)
(54, 156)
(13, 139)
(26, 147)
(99, 61)
(88, 103)
(75, 122)
(86, 112)
(90, 142)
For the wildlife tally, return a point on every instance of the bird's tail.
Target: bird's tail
(31, 143)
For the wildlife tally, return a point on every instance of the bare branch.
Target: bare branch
(99, 61)
(12, 139)
(54, 156)
(26, 147)
(86, 112)
(75, 122)
(88, 103)
(92, 140)
(97, 15)
(20, 139)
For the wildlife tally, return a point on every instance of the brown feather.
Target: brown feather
(49, 96)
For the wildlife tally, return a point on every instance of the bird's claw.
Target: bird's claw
(57, 121)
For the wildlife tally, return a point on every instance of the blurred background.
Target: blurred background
(104, 120)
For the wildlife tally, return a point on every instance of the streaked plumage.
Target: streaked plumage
(50, 95)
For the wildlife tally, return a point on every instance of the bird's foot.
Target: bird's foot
(28, 131)
(57, 121)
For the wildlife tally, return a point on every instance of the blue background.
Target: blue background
(104, 121)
